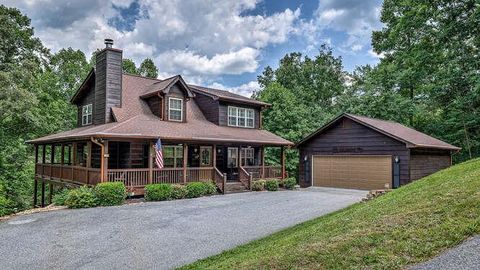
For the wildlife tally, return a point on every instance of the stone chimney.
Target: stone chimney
(108, 82)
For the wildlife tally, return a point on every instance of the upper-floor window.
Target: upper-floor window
(241, 117)
(86, 114)
(175, 109)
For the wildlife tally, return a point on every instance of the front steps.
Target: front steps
(235, 187)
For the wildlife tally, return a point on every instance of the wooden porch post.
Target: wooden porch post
(150, 162)
(283, 162)
(52, 154)
(105, 156)
(240, 156)
(35, 187)
(44, 147)
(62, 159)
(43, 193)
(263, 161)
(50, 193)
(74, 155)
(185, 157)
(89, 154)
(214, 156)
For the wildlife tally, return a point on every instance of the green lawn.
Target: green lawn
(408, 225)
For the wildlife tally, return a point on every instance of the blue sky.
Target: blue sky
(223, 44)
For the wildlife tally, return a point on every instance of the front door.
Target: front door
(232, 164)
(205, 156)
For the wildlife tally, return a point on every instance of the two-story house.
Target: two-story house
(207, 134)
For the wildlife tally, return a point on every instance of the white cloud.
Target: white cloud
(375, 55)
(355, 18)
(196, 37)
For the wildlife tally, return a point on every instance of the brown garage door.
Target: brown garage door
(356, 172)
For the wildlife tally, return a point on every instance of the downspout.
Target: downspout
(102, 153)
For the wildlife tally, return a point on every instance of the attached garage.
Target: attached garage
(358, 152)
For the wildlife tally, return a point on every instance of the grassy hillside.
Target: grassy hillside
(408, 225)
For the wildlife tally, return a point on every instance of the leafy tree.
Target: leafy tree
(148, 69)
(128, 66)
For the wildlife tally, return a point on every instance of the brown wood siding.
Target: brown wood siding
(100, 88)
(426, 163)
(88, 98)
(208, 106)
(175, 92)
(137, 155)
(155, 105)
(352, 139)
(223, 113)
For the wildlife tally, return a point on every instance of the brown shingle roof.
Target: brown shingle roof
(135, 120)
(225, 95)
(412, 138)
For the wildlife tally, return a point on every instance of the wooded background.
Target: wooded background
(428, 78)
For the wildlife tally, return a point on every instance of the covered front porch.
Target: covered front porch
(88, 162)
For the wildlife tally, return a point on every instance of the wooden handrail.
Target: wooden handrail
(219, 177)
(245, 177)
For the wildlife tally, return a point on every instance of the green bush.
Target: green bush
(60, 197)
(271, 185)
(210, 188)
(5, 206)
(290, 183)
(110, 193)
(158, 192)
(195, 189)
(179, 192)
(258, 185)
(82, 197)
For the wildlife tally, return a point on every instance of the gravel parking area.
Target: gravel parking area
(463, 257)
(158, 235)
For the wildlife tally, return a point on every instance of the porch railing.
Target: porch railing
(267, 172)
(140, 177)
(68, 173)
(245, 178)
(219, 179)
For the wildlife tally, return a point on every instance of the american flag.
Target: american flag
(158, 154)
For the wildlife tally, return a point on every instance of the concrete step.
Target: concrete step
(234, 187)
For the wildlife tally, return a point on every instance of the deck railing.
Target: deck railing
(267, 172)
(219, 179)
(67, 173)
(245, 177)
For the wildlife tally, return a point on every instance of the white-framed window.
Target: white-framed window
(232, 157)
(205, 155)
(248, 156)
(172, 156)
(86, 114)
(241, 117)
(175, 109)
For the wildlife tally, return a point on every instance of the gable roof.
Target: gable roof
(84, 86)
(226, 95)
(163, 86)
(135, 120)
(411, 137)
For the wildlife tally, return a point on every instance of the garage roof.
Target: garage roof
(412, 138)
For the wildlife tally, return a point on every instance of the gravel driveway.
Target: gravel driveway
(158, 235)
(463, 257)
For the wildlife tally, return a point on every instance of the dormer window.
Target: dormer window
(87, 114)
(175, 109)
(241, 117)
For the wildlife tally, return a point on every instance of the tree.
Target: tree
(431, 51)
(148, 69)
(128, 66)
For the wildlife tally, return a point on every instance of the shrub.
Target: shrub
(210, 188)
(179, 191)
(158, 192)
(271, 185)
(5, 206)
(82, 197)
(195, 189)
(110, 193)
(290, 183)
(60, 197)
(258, 185)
